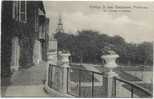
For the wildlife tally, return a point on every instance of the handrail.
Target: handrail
(79, 79)
(134, 85)
(79, 69)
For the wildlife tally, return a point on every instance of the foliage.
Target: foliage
(88, 46)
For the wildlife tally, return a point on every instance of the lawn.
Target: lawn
(85, 77)
(98, 92)
(81, 73)
(146, 86)
(136, 91)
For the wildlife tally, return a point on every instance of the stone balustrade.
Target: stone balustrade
(63, 62)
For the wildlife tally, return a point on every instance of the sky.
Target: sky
(135, 24)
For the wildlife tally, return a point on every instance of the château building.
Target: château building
(24, 35)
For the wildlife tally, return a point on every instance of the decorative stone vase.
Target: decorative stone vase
(52, 58)
(110, 61)
(65, 64)
(65, 59)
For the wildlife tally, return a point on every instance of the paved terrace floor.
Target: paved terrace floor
(27, 82)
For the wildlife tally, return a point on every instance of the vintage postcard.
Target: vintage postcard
(77, 49)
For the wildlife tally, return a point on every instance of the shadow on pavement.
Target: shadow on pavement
(5, 82)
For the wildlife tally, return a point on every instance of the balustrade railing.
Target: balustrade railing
(80, 82)
(85, 83)
(55, 78)
(124, 88)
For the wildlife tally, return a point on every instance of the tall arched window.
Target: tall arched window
(15, 12)
(20, 11)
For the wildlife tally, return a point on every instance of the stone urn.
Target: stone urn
(65, 59)
(52, 58)
(110, 60)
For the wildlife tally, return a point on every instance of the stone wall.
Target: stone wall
(25, 32)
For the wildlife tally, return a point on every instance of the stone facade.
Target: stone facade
(23, 42)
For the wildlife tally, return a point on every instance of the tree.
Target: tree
(88, 45)
(144, 53)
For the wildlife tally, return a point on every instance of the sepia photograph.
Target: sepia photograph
(77, 49)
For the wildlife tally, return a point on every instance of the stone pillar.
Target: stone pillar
(108, 79)
(37, 52)
(65, 65)
(52, 60)
(15, 54)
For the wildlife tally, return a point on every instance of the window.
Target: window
(36, 21)
(20, 11)
(23, 11)
(15, 10)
